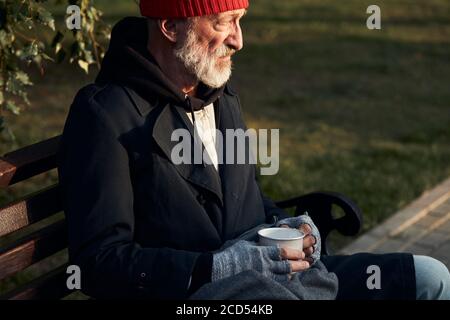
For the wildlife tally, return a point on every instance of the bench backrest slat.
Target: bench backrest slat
(30, 210)
(28, 162)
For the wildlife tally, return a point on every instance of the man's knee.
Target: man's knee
(432, 279)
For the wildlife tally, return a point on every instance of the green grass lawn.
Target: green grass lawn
(364, 113)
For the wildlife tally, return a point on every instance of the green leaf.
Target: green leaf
(88, 57)
(17, 80)
(28, 24)
(46, 18)
(57, 39)
(58, 47)
(46, 57)
(12, 86)
(6, 39)
(25, 98)
(11, 106)
(84, 65)
(28, 52)
(38, 62)
(23, 78)
(1, 98)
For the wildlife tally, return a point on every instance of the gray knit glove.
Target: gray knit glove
(246, 255)
(296, 222)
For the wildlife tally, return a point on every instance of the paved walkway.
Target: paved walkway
(421, 228)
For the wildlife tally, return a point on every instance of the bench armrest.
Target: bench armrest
(319, 207)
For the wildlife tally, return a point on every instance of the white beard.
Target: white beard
(203, 65)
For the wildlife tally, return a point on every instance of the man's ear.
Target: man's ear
(169, 29)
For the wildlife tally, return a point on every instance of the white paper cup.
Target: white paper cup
(281, 237)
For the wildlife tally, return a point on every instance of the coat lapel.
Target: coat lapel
(204, 176)
(233, 175)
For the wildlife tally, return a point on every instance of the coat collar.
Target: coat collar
(145, 105)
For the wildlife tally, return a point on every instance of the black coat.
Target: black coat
(137, 222)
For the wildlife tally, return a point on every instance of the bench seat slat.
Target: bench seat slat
(49, 286)
(33, 248)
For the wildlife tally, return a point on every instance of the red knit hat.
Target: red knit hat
(188, 8)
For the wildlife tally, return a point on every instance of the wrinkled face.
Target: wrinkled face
(208, 44)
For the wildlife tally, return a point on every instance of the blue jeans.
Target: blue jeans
(432, 279)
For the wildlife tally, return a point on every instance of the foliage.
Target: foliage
(30, 35)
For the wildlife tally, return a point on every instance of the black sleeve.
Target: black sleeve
(202, 272)
(98, 202)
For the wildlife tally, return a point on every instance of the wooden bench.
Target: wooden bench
(24, 251)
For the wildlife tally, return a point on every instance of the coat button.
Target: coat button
(201, 199)
(143, 275)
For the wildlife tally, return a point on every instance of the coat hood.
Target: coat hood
(129, 63)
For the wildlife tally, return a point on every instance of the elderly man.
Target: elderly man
(141, 226)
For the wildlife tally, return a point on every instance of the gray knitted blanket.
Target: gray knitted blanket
(316, 283)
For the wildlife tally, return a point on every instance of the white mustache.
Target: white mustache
(224, 51)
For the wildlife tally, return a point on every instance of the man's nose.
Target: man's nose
(235, 39)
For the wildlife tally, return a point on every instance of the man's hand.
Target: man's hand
(296, 259)
(311, 241)
(308, 241)
(272, 262)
